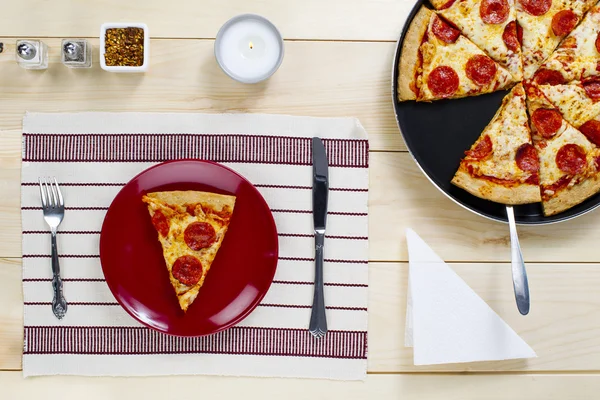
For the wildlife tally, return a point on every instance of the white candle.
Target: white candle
(249, 48)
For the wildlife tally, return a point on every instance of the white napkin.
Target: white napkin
(446, 321)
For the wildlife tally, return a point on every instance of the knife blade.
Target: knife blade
(320, 194)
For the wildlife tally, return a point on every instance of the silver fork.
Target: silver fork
(54, 211)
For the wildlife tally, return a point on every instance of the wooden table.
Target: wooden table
(337, 63)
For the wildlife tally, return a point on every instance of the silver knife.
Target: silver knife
(318, 320)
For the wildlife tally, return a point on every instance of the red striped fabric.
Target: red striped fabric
(154, 148)
(236, 340)
(114, 303)
(299, 235)
(141, 147)
(258, 185)
(276, 282)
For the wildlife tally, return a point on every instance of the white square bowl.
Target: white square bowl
(109, 25)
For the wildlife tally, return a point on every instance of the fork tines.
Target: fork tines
(50, 193)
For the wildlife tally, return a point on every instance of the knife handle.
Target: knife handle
(318, 320)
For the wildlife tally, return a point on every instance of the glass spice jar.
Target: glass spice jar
(76, 53)
(32, 54)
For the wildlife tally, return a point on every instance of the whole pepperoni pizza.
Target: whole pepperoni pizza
(542, 145)
(191, 226)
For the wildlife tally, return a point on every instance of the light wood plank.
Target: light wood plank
(381, 387)
(321, 79)
(563, 326)
(400, 197)
(306, 19)
(11, 314)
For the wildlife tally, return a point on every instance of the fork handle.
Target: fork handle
(318, 320)
(59, 304)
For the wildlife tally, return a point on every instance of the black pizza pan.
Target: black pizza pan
(438, 133)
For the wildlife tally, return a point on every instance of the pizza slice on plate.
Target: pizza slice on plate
(545, 23)
(502, 165)
(569, 162)
(489, 24)
(578, 103)
(191, 226)
(577, 57)
(437, 62)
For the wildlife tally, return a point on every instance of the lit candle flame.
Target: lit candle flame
(251, 45)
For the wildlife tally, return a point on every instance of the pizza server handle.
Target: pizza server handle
(519, 274)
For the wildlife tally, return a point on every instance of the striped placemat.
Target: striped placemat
(93, 155)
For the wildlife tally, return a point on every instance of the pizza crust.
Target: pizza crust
(488, 190)
(570, 197)
(438, 3)
(180, 197)
(410, 54)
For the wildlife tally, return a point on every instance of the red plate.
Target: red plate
(240, 275)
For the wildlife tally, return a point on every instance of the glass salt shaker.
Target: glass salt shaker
(32, 54)
(76, 53)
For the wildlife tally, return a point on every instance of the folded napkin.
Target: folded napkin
(446, 321)
(94, 154)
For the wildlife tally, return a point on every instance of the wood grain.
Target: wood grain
(563, 326)
(381, 387)
(11, 314)
(321, 79)
(307, 19)
(400, 197)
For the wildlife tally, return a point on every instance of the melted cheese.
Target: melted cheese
(174, 246)
(549, 171)
(573, 103)
(465, 15)
(455, 55)
(508, 130)
(539, 41)
(547, 149)
(577, 57)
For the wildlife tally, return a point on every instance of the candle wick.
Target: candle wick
(251, 45)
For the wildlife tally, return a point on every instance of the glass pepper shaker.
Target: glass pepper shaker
(32, 54)
(76, 53)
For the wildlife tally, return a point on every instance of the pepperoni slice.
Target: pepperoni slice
(199, 235)
(536, 7)
(187, 270)
(482, 149)
(563, 22)
(591, 130)
(598, 42)
(592, 89)
(546, 76)
(494, 11)
(527, 158)
(444, 31)
(160, 223)
(546, 121)
(571, 159)
(509, 36)
(443, 81)
(481, 69)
